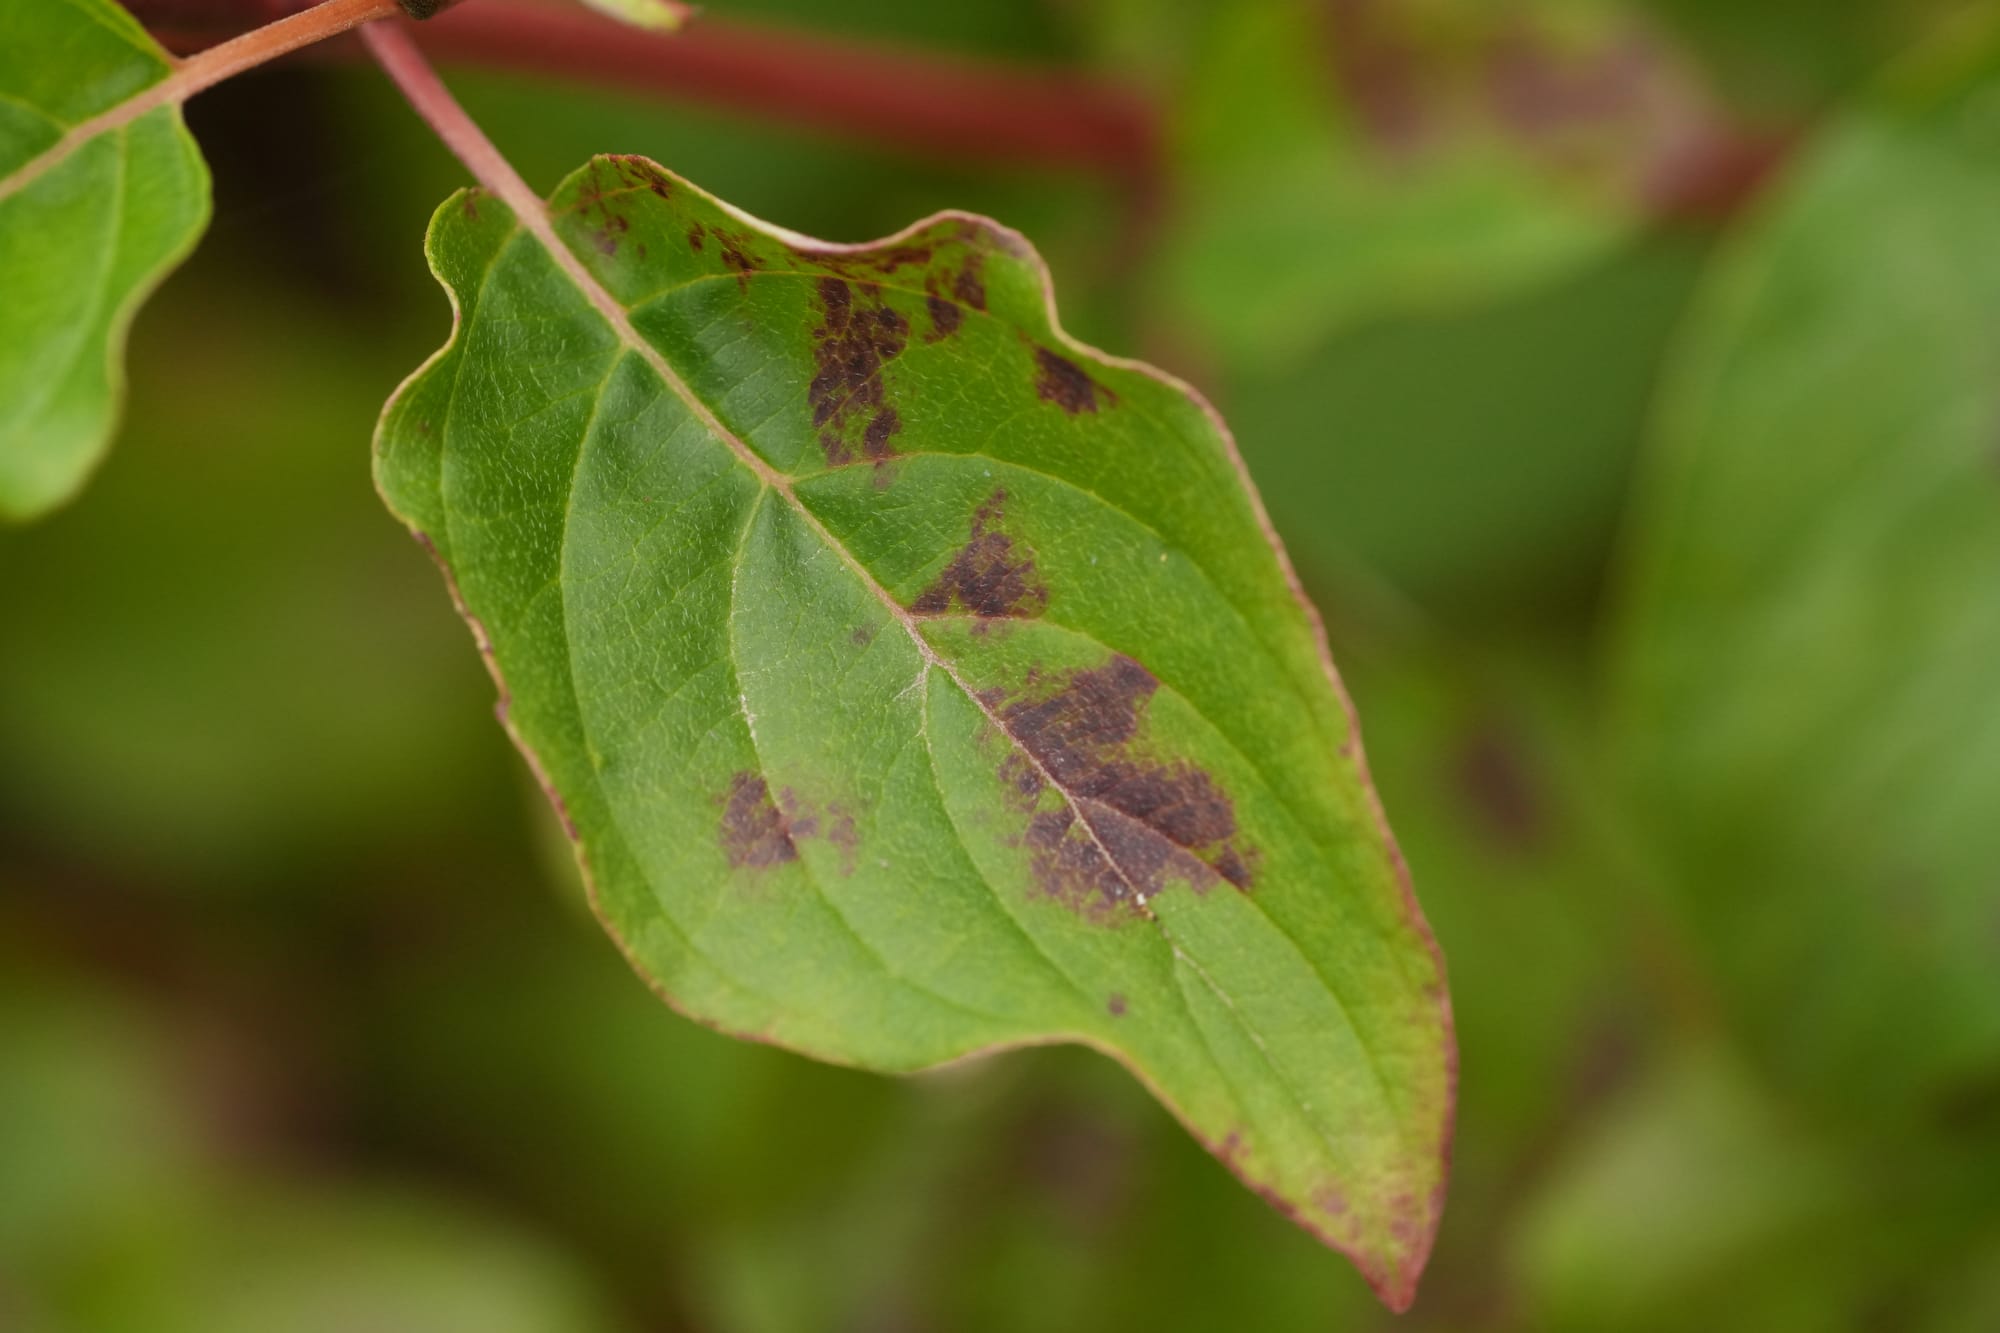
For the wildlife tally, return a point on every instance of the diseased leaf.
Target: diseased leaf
(917, 682)
(1806, 699)
(102, 191)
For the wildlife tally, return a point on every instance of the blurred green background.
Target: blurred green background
(1625, 378)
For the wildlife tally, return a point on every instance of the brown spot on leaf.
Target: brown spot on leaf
(968, 286)
(754, 832)
(641, 171)
(945, 318)
(1229, 864)
(872, 265)
(991, 576)
(854, 341)
(1063, 382)
(875, 440)
(1142, 823)
(615, 225)
(834, 823)
(471, 204)
(1020, 773)
(1115, 1005)
(737, 259)
(595, 200)
(697, 238)
(884, 262)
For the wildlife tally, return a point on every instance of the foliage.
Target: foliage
(101, 193)
(1804, 680)
(1655, 560)
(917, 682)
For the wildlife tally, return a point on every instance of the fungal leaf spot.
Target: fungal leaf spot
(992, 575)
(945, 317)
(856, 338)
(1063, 382)
(1120, 826)
(754, 832)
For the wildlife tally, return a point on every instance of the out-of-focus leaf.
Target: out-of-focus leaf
(1787, 56)
(275, 1257)
(918, 681)
(1475, 459)
(92, 1125)
(1691, 1205)
(653, 15)
(1806, 688)
(218, 672)
(1295, 219)
(123, 1209)
(102, 191)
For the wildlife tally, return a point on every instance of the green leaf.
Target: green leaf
(1806, 699)
(1693, 1201)
(917, 682)
(1790, 58)
(1503, 490)
(102, 192)
(653, 15)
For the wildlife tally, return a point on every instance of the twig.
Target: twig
(1689, 162)
(944, 105)
(952, 107)
(253, 48)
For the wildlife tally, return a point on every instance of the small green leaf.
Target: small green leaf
(102, 192)
(1692, 1200)
(654, 15)
(1806, 700)
(917, 682)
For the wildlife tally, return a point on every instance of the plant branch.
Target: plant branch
(945, 106)
(1686, 158)
(956, 108)
(253, 48)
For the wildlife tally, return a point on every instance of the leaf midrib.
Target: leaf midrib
(168, 90)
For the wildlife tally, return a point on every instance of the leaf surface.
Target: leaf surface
(102, 192)
(916, 682)
(1806, 699)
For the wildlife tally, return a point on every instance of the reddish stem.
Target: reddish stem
(948, 106)
(259, 45)
(953, 107)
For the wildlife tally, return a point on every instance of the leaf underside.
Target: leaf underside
(89, 224)
(915, 682)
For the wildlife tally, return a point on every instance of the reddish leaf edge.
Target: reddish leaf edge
(1396, 1288)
